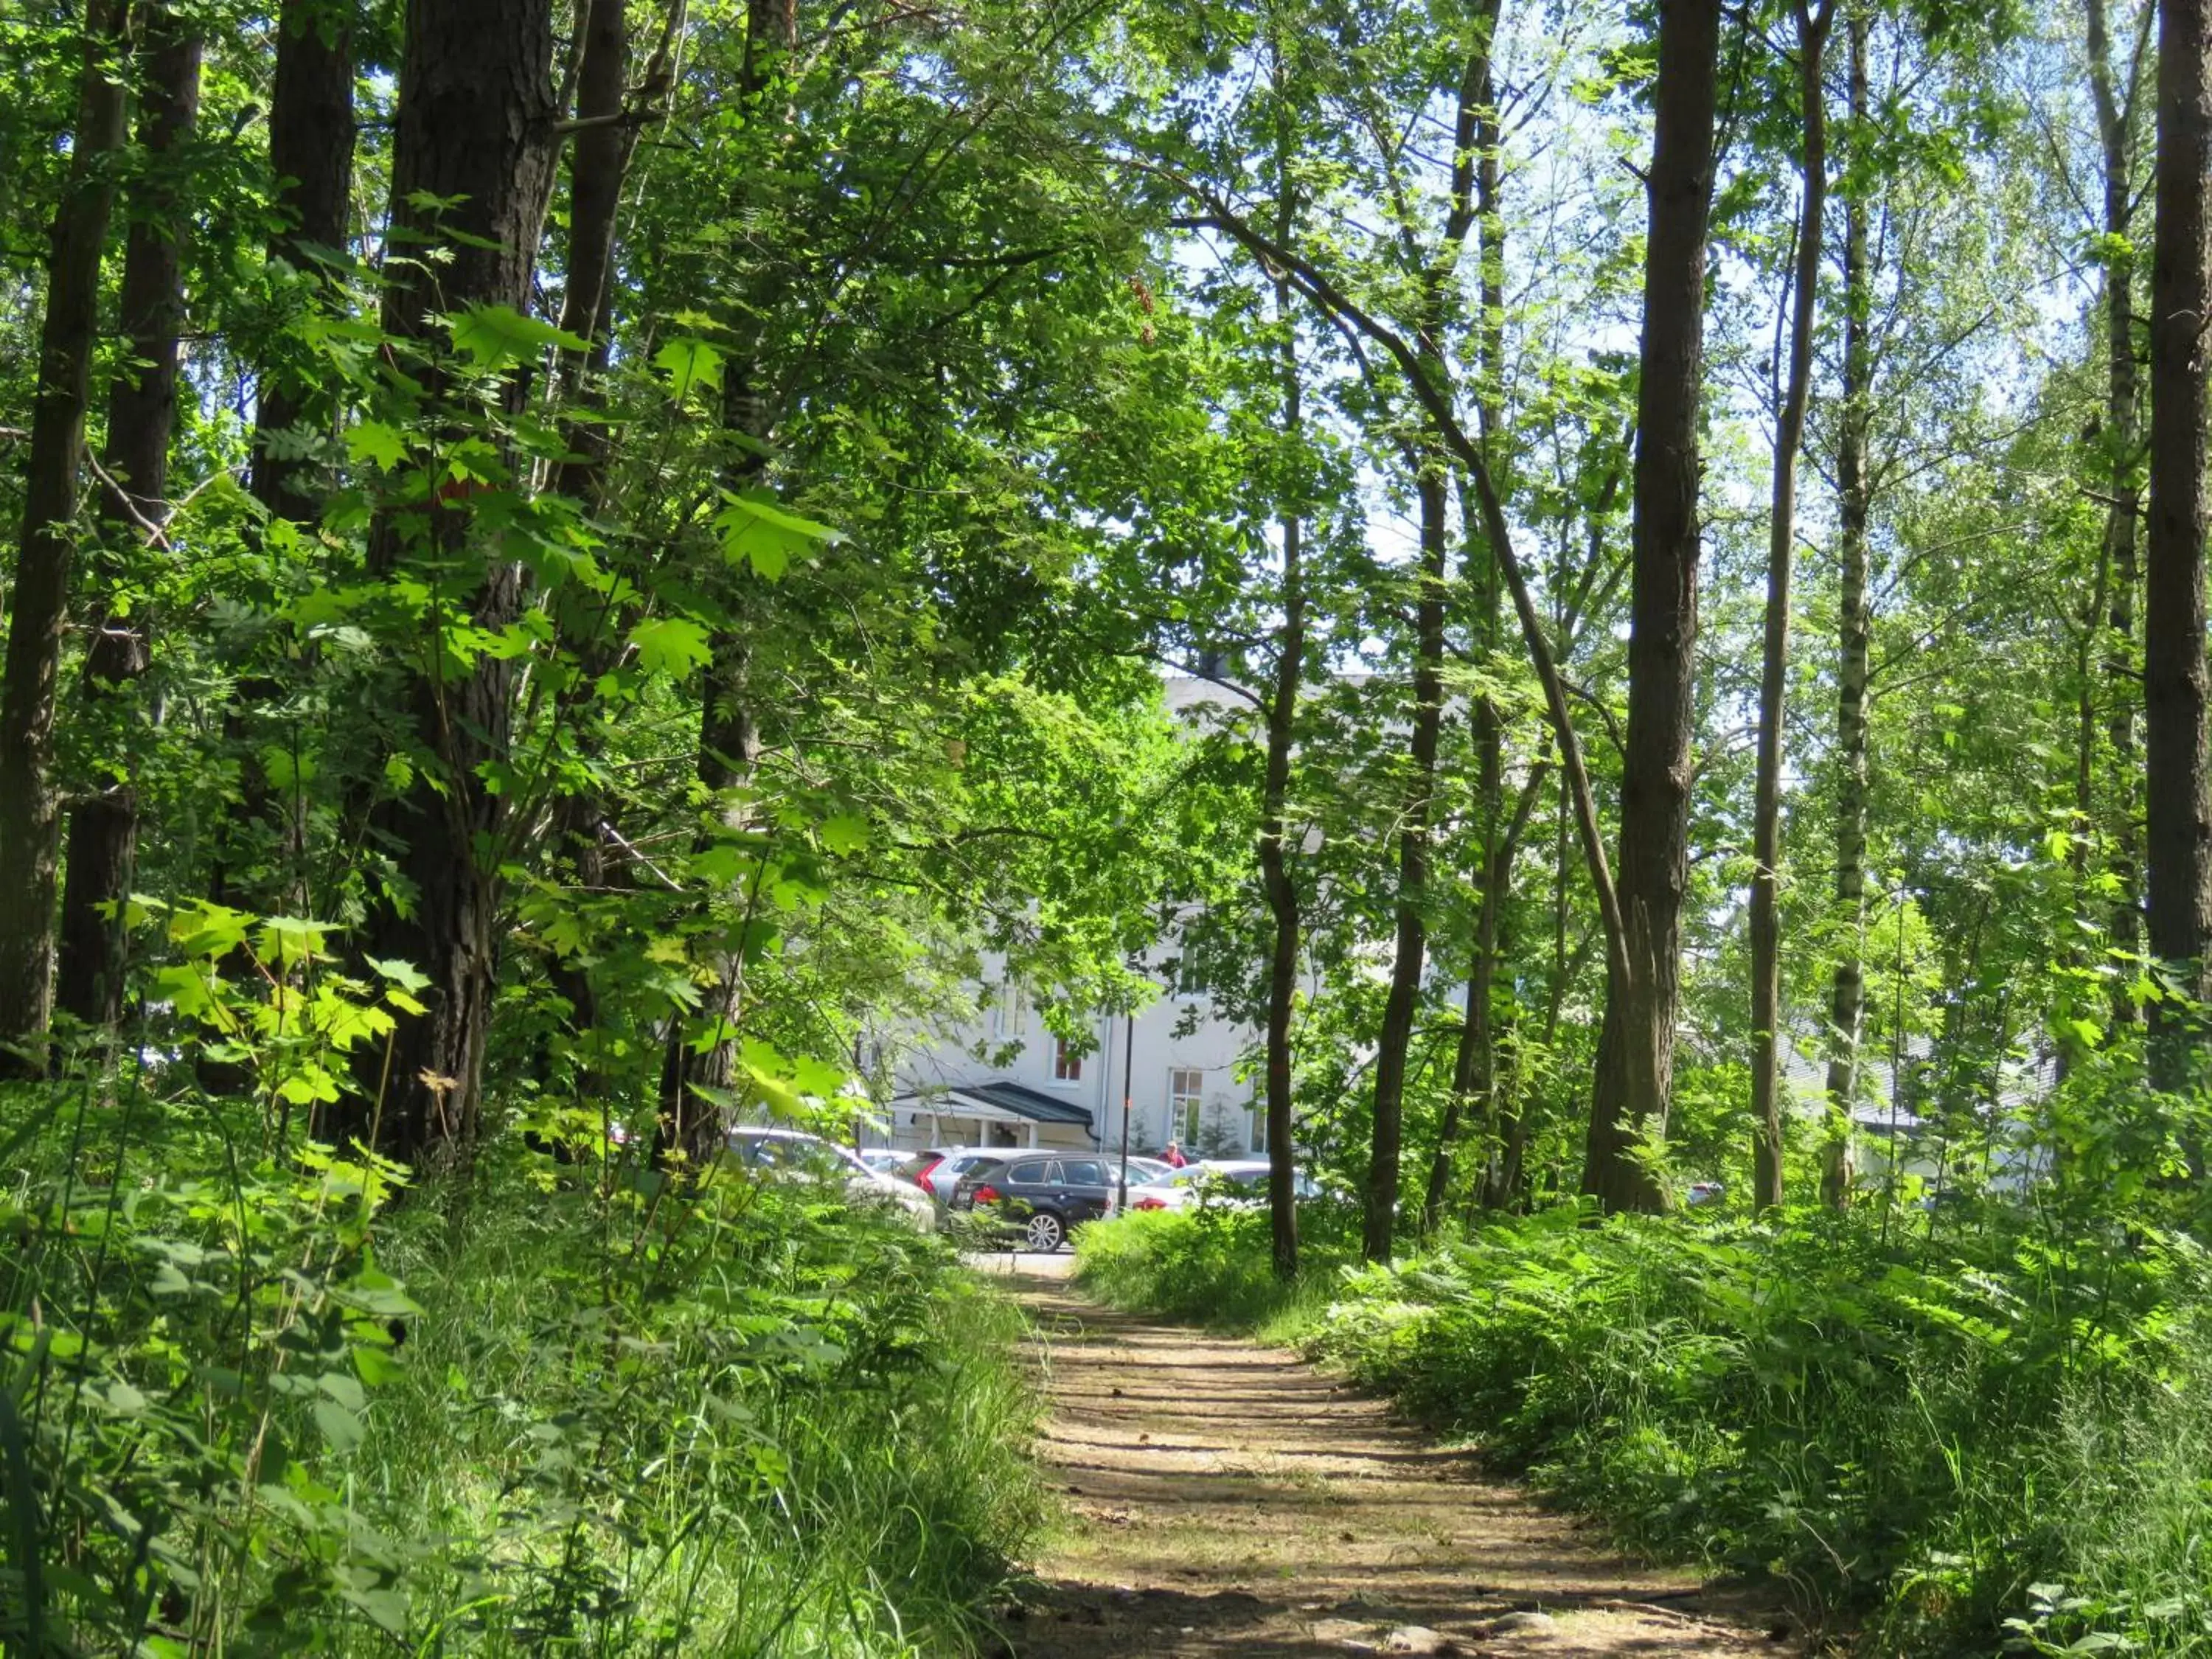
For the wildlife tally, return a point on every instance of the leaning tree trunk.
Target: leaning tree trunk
(37, 606)
(142, 411)
(1847, 991)
(476, 129)
(2178, 838)
(1636, 1045)
(1774, 664)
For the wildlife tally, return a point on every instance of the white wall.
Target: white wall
(1212, 1048)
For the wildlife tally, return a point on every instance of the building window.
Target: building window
(1006, 1011)
(1066, 1064)
(1186, 1098)
(1190, 973)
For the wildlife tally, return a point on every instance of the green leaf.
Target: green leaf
(844, 833)
(339, 1426)
(670, 645)
(756, 531)
(373, 440)
(346, 1390)
(495, 335)
(688, 362)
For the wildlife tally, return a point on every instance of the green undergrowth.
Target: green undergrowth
(1985, 1436)
(251, 1402)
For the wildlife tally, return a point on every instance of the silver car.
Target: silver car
(793, 1150)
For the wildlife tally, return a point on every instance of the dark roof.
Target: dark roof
(1025, 1102)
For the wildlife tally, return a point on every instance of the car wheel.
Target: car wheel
(1043, 1232)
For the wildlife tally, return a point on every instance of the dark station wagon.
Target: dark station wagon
(1039, 1197)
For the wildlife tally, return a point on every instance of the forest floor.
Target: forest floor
(1222, 1498)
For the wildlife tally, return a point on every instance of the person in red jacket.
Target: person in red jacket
(1174, 1156)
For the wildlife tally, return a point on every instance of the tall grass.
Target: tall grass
(1991, 1437)
(248, 1405)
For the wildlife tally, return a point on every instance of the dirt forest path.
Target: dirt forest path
(1222, 1498)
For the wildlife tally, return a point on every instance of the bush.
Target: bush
(1993, 1435)
(541, 1406)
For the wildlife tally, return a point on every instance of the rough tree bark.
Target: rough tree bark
(476, 127)
(37, 606)
(1636, 1045)
(142, 411)
(1847, 991)
(2178, 838)
(311, 138)
(1774, 662)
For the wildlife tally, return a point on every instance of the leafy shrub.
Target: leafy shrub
(245, 1404)
(1995, 1434)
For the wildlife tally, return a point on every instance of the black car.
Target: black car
(1039, 1196)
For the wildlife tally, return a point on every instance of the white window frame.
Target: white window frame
(1066, 1064)
(1186, 1103)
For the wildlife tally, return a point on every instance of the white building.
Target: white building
(1177, 1064)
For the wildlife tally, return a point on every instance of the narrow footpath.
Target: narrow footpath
(1222, 1498)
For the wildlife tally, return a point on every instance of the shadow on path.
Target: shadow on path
(1224, 1498)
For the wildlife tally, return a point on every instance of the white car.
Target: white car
(1238, 1182)
(763, 1150)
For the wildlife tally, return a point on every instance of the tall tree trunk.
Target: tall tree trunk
(476, 129)
(1474, 1067)
(37, 607)
(698, 1064)
(311, 138)
(142, 409)
(2179, 803)
(2122, 439)
(1847, 992)
(311, 145)
(1636, 1048)
(599, 160)
(1274, 849)
(1274, 867)
(1402, 1002)
(1766, 1105)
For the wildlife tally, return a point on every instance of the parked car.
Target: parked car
(1239, 1182)
(1142, 1170)
(945, 1175)
(1038, 1197)
(1698, 1193)
(883, 1160)
(795, 1152)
